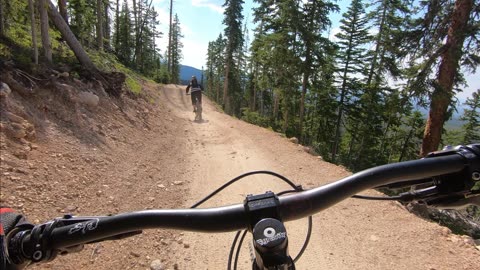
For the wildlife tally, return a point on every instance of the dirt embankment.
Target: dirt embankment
(146, 152)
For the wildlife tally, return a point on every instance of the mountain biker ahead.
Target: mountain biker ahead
(196, 91)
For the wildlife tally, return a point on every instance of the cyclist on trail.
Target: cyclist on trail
(196, 91)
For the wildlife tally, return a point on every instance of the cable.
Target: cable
(297, 188)
(232, 248)
(237, 255)
(373, 198)
(243, 176)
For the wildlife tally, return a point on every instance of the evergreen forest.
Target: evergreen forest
(356, 99)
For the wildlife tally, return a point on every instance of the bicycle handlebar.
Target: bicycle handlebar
(65, 233)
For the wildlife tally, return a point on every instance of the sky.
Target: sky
(201, 22)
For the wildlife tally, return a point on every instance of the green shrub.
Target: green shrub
(254, 118)
(133, 85)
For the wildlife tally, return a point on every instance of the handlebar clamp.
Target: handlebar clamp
(261, 206)
(33, 244)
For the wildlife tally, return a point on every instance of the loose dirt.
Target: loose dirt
(146, 152)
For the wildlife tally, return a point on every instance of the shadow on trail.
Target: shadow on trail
(203, 121)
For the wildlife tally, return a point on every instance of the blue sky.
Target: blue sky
(201, 22)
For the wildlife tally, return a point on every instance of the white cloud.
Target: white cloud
(194, 53)
(332, 33)
(163, 16)
(186, 30)
(217, 7)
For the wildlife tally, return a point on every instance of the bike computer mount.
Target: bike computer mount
(269, 234)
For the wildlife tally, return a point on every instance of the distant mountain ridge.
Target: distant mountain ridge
(186, 73)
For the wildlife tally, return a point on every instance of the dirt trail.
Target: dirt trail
(352, 235)
(149, 153)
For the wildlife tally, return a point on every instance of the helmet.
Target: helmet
(194, 77)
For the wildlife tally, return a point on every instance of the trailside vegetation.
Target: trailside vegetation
(380, 90)
(123, 28)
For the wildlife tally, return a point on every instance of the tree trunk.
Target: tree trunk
(306, 76)
(254, 81)
(306, 71)
(136, 28)
(169, 57)
(449, 65)
(113, 82)
(100, 25)
(62, 7)
(117, 26)
(2, 20)
(107, 26)
(70, 38)
(378, 44)
(34, 31)
(47, 46)
(276, 105)
(226, 102)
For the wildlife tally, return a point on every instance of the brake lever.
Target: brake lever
(461, 189)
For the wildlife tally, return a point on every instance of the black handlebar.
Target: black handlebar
(67, 232)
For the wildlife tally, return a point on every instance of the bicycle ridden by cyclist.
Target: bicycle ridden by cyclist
(196, 91)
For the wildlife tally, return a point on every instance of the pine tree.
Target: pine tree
(447, 74)
(215, 68)
(170, 28)
(125, 39)
(351, 55)
(233, 33)
(82, 20)
(176, 49)
(278, 48)
(99, 27)
(314, 22)
(372, 122)
(442, 42)
(411, 137)
(472, 118)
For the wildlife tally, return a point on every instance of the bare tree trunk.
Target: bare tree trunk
(107, 26)
(306, 72)
(47, 46)
(34, 31)
(229, 61)
(217, 86)
(2, 20)
(276, 105)
(449, 65)
(100, 25)
(62, 7)
(169, 57)
(117, 26)
(136, 28)
(70, 38)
